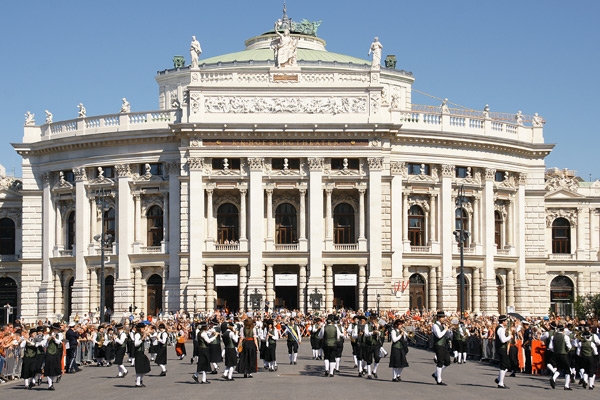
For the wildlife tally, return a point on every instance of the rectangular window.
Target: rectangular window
(285, 163)
(108, 172)
(345, 163)
(462, 172)
(417, 169)
(225, 163)
(155, 169)
(69, 176)
(499, 177)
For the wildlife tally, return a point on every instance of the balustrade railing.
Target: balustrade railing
(227, 247)
(420, 249)
(345, 247)
(286, 247)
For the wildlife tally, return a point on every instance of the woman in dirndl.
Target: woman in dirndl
(399, 349)
(247, 364)
(54, 352)
(142, 363)
(28, 368)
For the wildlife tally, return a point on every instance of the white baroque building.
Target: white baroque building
(318, 178)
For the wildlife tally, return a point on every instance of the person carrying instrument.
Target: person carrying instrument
(54, 353)
(142, 364)
(230, 340)
(120, 340)
(502, 350)
(329, 334)
(560, 346)
(294, 338)
(441, 334)
(161, 349)
(399, 349)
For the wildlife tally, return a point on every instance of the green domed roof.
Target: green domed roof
(267, 55)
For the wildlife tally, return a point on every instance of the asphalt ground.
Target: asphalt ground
(472, 380)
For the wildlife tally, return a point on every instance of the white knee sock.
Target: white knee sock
(326, 365)
(567, 380)
(291, 358)
(459, 355)
(162, 366)
(551, 368)
(331, 368)
(592, 378)
(355, 360)
(26, 382)
(295, 357)
(501, 376)
(49, 381)
(438, 373)
(375, 365)
(337, 363)
(203, 376)
(582, 374)
(399, 371)
(394, 373)
(230, 372)
(368, 369)
(555, 375)
(464, 357)
(585, 378)
(138, 379)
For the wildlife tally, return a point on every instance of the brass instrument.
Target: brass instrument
(101, 341)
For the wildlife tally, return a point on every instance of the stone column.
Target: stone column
(328, 287)
(210, 287)
(166, 218)
(243, 214)
(476, 220)
(270, 223)
(93, 220)
(509, 224)
(362, 279)
(257, 212)
(433, 219)
(137, 216)
(593, 235)
(58, 293)
(489, 295)
(328, 217)
(270, 281)
(510, 287)
(125, 238)
(209, 215)
(243, 282)
(580, 235)
(522, 289)
(57, 227)
(433, 303)
(375, 282)
(138, 290)
(94, 291)
(173, 284)
(196, 279)
(396, 221)
(361, 214)
(81, 288)
(48, 218)
(447, 297)
(302, 289)
(315, 224)
(302, 233)
(580, 284)
(405, 221)
(476, 290)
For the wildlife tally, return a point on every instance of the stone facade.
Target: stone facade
(320, 185)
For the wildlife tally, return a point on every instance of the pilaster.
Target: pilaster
(315, 238)
(196, 281)
(81, 289)
(125, 228)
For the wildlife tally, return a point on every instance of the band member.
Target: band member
(99, 351)
(372, 355)
(560, 345)
(40, 341)
(294, 338)
(161, 349)
(153, 342)
(329, 335)
(351, 327)
(131, 345)
(215, 346)
(502, 340)
(441, 334)
(339, 343)
(204, 340)
(315, 342)
(549, 354)
(142, 364)
(359, 336)
(230, 340)
(120, 340)
(459, 343)
(54, 353)
(180, 346)
(29, 366)
(587, 351)
(109, 346)
(271, 335)
(399, 349)
(247, 364)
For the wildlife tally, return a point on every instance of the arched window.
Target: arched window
(285, 221)
(561, 236)
(416, 226)
(227, 223)
(154, 295)
(498, 229)
(109, 227)
(467, 293)
(461, 218)
(154, 216)
(562, 296)
(343, 222)
(7, 237)
(71, 230)
(416, 289)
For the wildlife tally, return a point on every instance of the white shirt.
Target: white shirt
(121, 337)
(232, 336)
(207, 339)
(501, 333)
(137, 339)
(567, 343)
(438, 332)
(162, 337)
(594, 348)
(338, 334)
(397, 335)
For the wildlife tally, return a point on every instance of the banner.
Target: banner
(345, 279)
(226, 280)
(286, 280)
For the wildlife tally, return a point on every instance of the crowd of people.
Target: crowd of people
(240, 340)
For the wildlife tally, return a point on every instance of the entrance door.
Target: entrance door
(228, 297)
(344, 297)
(109, 293)
(70, 297)
(154, 295)
(286, 297)
(416, 292)
(8, 295)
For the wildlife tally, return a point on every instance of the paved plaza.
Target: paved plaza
(473, 380)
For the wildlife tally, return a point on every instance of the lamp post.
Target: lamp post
(378, 300)
(461, 237)
(103, 239)
(195, 299)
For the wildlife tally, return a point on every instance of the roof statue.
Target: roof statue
(82, 111)
(306, 27)
(444, 107)
(519, 118)
(486, 111)
(195, 51)
(284, 47)
(29, 118)
(48, 116)
(376, 50)
(125, 107)
(537, 121)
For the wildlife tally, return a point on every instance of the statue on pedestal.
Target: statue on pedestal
(284, 48)
(48, 116)
(376, 50)
(519, 118)
(537, 121)
(444, 107)
(486, 111)
(29, 118)
(125, 107)
(195, 51)
(82, 111)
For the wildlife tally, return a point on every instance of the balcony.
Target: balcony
(287, 247)
(562, 257)
(151, 249)
(420, 249)
(227, 247)
(503, 252)
(345, 247)
(65, 253)
(9, 257)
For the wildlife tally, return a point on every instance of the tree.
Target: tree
(587, 306)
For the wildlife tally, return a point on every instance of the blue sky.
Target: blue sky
(534, 56)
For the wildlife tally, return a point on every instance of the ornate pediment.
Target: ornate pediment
(12, 213)
(560, 182)
(62, 183)
(8, 183)
(421, 201)
(569, 214)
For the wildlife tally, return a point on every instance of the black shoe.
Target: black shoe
(125, 374)
(143, 384)
(369, 376)
(591, 388)
(250, 376)
(51, 388)
(295, 363)
(355, 366)
(360, 374)
(195, 378)
(581, 381)
(29, 387)
(584, 385)
(276, 368)
(337, 371)
(497, 381)
(291, 363)
(214, 372)
(398, 379)
(192, 360)
(163, 373)
(205, 383)
(375, 375)
(58, 379)
(442, 383)
(138, 386)
(331, 375)
(326, 373)
(512, 375)
(552, 383)
(568, 388)
(503, 387)
(434, 377)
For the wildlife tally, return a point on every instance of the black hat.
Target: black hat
(56, 325)
(336, 318)
(162, 326)
(553, 325)
(41, 328)
(32, 331)
(330, 318)
(502, 318)
(397, 322)
(362, 317)
(140, 325)
(441, 314)
(119, 326)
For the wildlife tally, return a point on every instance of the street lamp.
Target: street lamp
(461, 237)
(104, 240)
(195, 299)
(378, 300)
